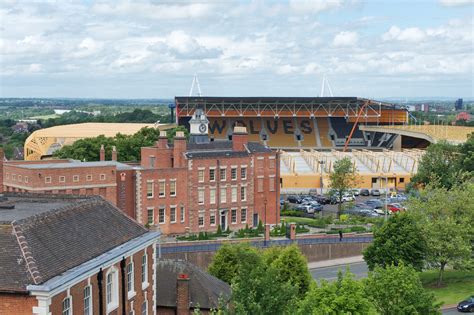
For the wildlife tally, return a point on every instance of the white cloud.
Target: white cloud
(315, 6)
(343, 39)
(455, 3)
(411, 34)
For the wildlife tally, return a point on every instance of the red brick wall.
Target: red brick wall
(77, 290)
(16, 304)
(267, 167)
(125, 191)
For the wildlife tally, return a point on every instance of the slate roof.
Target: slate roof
(204, 289)
(59, 233)
(75, 164)
(222, 149)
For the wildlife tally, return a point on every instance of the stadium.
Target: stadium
(313, 132)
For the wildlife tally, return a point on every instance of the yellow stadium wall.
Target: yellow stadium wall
(312, 181)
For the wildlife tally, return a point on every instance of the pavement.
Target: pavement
(328, 270)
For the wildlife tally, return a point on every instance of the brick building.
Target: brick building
(65, 254)
(187, 186)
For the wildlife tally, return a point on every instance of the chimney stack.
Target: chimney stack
(102, 153)
(162, 142)
(179, 149)
(182, 295)
(239, 138)
(114, 154)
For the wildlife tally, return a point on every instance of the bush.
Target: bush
(292, 213)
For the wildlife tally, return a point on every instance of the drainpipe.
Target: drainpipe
(100, 277)
(122, 272)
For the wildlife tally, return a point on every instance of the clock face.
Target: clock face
(202, 128)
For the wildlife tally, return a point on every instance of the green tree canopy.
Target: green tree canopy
(342, 178)
(344, 296)
(447, 220)
(398, 290)
(291, 267)
(230, 258)
(399, 240)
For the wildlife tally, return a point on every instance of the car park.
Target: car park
(364, 192)
(375, 192)
(323, 200)
(306, 208)
(466, 305)
(374, 203)
(348, 198)
(355, 192)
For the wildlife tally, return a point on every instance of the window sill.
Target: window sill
(149, 197)
(145, 285)
(131, 294)
(112, 307)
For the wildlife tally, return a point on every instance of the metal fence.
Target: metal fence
(212, 247)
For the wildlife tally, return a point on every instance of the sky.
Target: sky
(152, 49)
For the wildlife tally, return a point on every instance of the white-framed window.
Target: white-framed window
(243, 215)
(271, 162)
(26, 179)
(260, 162)
(75, 178)
(233, 173)
(111, 289)
(62, 179)
(102, 176)
(212, 218)
(144, 270)
(233, 216)
(13, 176)
(19, 178)
(201, 176)
(201, 196)
(260, 184)
(173, 187)
(172, 214)
(8, 175)
(201, 219)
(212, 196)
(234, 194)
(149, 189)
(223, 174)
(212, 174)
(130, 279)
(243, 173)
(243, 193)
(161, 215)
(67, 306)
(88, 178)
(182, 213)
(88, 300)
(47, 179)
(161, 188)
(152, 162)
(150, 216)
(271, 183)
(145, 307)
(223, 195)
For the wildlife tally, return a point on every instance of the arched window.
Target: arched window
(88, 300)
(67, 306)
(112, 289)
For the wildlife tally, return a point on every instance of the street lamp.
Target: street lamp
(386, 188)
(321, 163)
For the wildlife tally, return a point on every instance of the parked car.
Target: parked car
(294, 199)
(317, 207)
(466, 305)
(306, 208)
(323, 200)
(364, 192)
(348, 198)
(355, 192)
(395, 207)
(282, 201)
(374, 203)
(375, 192)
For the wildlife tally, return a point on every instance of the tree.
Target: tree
(291, 267)
(230, 258)
(258, 289)
(440, 166)
(447, 220)
(398, 290)
(344, 296)
(399, 240)
(342, 178)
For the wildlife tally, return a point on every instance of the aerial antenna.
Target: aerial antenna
(196, 85)
(326, 84)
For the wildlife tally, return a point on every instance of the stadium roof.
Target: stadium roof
(45, 141)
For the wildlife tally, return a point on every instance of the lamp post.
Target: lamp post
(386, 187)
(265, 226)
(321, 163)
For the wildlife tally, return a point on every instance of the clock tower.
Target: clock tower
(198, 127)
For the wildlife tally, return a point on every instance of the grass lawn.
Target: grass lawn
(45, 116)
(298, 220)
(458, 285)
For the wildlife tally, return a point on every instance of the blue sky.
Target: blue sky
(151, 49)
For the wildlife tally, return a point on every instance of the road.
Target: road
(358, 269)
